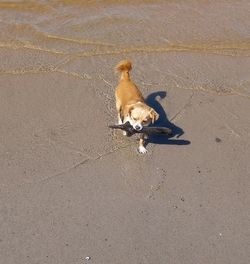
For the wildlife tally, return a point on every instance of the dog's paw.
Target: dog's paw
(124, 133)
(142, 150)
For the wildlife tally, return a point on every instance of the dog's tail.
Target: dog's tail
(124, 67)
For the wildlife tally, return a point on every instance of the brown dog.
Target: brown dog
(130, 103)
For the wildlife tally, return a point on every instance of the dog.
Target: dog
(130, 103)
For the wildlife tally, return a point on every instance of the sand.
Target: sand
(74, 191)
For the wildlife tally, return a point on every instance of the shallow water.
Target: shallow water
(75, 29)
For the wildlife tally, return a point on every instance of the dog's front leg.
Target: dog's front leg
(141, 148)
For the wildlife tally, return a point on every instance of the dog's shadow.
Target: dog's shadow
(163, 121)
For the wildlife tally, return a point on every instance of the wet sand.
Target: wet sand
(70, 187)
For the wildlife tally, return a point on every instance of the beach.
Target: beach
(72, 190)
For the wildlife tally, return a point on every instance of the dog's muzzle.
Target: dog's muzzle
(138, 127)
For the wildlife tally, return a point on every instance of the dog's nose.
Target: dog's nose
(138, 127)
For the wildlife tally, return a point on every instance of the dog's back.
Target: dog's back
(126, 91)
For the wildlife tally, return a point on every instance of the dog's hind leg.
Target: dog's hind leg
(119, 119)
(119, 114)
(118, 108)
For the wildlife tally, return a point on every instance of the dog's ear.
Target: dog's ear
(153, 115)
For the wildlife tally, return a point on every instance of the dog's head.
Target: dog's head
(140, 115)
